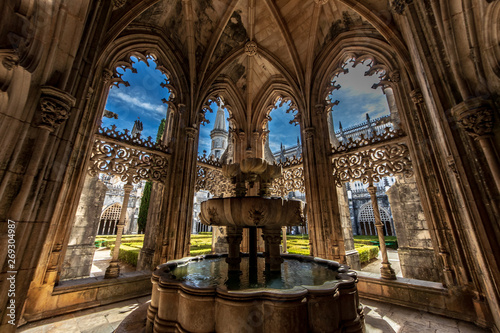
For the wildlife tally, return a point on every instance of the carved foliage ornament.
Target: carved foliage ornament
(399, 6)
(372, 164)
(477, 123)
(55, 106)
(475, 116)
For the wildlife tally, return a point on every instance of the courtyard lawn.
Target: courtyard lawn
(202, 244)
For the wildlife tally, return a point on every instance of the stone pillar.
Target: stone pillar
(234, 237)
(386, 270)
(146, 260)
(81, 248)
(352, 255)
(283, 232)
(416, 254)
(113, 269)
(325, 229)
(272, 240)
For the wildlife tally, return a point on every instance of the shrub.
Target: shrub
(127, 254)
(367, 253)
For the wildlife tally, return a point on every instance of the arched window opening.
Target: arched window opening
(363, 111)
(138, 111)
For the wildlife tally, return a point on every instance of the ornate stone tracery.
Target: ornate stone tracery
(371, 164)
(364, 141)
(131, 158)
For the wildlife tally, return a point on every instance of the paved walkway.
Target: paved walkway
(379, 318)
(374, 267)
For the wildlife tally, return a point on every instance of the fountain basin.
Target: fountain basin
(332, 305)
(252, 212)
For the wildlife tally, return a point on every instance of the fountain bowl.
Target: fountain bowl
(177, 306)
(252, 212)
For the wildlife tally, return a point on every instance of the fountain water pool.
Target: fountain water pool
(193, 295)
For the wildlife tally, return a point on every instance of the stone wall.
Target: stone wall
(415, 250)
(80, 252)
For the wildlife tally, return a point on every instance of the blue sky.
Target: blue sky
(143, 99)
(357, 97)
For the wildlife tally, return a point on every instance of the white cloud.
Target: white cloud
(159, 110)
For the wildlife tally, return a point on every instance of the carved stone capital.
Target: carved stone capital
(416, 96)
(118, 3)
(191, 133)
(55, 107)
(320, 108)
(9, 60)
(475, 116)
(310, 132)
(399, 6)
(107, 74)
(251, 48)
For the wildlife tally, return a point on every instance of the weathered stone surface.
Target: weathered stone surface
(80, 252)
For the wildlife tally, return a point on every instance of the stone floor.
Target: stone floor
(374, 266)
(379, 318)
(102, 258)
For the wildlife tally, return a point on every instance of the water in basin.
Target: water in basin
(209, 273)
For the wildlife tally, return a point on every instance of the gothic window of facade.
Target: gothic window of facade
(109, 220)
(366, 220)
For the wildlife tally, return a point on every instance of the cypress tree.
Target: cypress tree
(146, 194)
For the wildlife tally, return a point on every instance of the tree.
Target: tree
(146, 194)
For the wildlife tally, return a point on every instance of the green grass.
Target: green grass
(202, 244)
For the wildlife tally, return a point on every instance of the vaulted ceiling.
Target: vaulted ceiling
(215, 38)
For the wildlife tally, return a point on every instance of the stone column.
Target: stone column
(113, 269)
(272, 239)
(234, 237)
(352, 255)
(146, 260)
(81, 248)
(386, 270)
(415, 250)
(283, 232)
(475, 116)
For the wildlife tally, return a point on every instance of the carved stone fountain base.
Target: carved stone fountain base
(180, 307)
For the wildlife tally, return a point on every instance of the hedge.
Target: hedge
(127, 254)
(367, 253)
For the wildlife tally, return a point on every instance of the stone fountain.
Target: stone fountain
(222, 293)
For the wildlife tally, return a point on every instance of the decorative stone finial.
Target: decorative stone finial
(251, 48)
(55, 105)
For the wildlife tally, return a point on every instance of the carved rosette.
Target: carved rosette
(55, 106)
(251, 48)
(475, 117)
